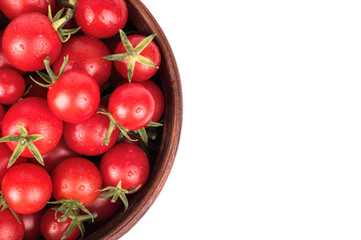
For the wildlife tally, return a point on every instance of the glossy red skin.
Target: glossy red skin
(4, 62)
(5, 154)
(74, 97)
(14, 8)
(127, 163)
(104, 208)
(27, 188)
(157, 96)
(85, 53)
(101, 18)
(132, 106)
(141, 72)
(35, 116)
(2, 114)
(87, 137)
(32, 225)
(28, 39)
(12, 86)
(51, 229)
(10, 228)
(76, 178)
(52, 159)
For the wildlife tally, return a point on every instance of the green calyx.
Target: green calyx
(132, 54)
(24, 140)
(71, 209)
(58, 23)
(51, 77)
(118, 192)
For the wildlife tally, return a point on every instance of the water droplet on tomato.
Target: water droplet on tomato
(81, 188)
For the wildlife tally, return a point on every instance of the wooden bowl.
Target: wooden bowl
(169, 80)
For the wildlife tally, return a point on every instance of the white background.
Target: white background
(271, 140)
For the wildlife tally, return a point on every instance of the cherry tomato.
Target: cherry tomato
(32, 225)
(141, 71)
(85, 53)
(28, 40)
(127, 163)
(52, 229)
(76, 178)
(74, 97)
(60, 153)
(10, 228)
(5, 154)
(35, 116)
(104, 208)
(87, 137)
(101, 18)
(27, 188)
(132, 106)
(12, 86)
(14, 8)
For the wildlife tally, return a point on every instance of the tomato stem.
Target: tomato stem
(24, 140)
(59, 22)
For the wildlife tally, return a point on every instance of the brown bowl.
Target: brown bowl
(161, 164)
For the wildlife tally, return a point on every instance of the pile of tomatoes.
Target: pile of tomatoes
(79, 114)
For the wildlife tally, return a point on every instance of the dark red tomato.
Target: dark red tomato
(60, 153)
(35, 90)
(4, 62)
(35, 116)
(104, 208)
(127, 163)
(132, 106)
(12, 86)
(27, 188)
(141, 72)
(14, 8)
(5, 154)
(74, 97)
(32, 225)
(51, 229)
(10, 228)
(76, 178)
(2, 114)
(101, 18)
(87, 137)
(30, 38)
(85, 53)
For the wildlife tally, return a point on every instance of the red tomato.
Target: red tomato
(10, 228)
(5, 154)
(101, 18)
(87, 137)
(52, 229)
(74, 97)
(14, 8)
(60, 153)
(85, 53)
(12, 86)
(27, 188)
(132, 106)
(32, 225)
(35, 116)
(141, 71)
(29, 39)
(76, 178)
(2, 114)
(127, 163)
(104, 208)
